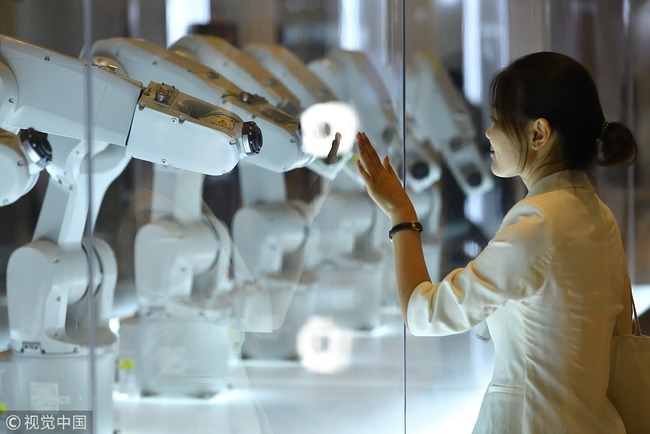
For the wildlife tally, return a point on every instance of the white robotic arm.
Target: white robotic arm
(342, 256)
(43, 90)
(182, 256)
(192, 276)
(259, 176)
(240, 68)
(143, 60)
(147, 124)
(353, 79)
(324, 114)
(320, 119)
(438, 115)
(266, 248)
(275, 252)
(174, 129)
(49, 283)
(308, 87)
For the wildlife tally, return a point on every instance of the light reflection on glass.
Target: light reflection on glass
(323, 346)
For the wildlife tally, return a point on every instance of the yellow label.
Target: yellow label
(126, 364)
(223, 121)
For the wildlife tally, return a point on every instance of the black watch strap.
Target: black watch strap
(414, 226)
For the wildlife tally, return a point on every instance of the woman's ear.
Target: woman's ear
(541, 134)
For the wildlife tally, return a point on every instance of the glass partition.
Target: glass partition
(447, 377)
(227, 235)
(186, 245)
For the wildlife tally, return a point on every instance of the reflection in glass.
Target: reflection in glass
(254, 293)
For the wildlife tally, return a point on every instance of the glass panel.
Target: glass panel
(240, 260)
(57, 281)
(479, 38)
(250, 282)
(446, 376)
(258, 284)
(638, 110)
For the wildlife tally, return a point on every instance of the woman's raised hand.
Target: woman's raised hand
(383, 184)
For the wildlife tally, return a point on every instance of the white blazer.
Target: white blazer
(549, 284)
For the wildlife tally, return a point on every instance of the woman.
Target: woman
(549, 284)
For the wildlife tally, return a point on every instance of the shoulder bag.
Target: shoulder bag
(629, 379)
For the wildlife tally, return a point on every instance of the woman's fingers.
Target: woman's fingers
(382, 183)
(388, 166)
(367, 153)
(369, 165)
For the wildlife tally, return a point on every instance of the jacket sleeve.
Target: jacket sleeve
(514, 265)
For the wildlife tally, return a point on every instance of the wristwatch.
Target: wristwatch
(413, 225)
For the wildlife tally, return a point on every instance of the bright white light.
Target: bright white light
(125, 397)
(114, 325)
(181, 14)
(320, 123)
(472, 71)
(350, 34)
(475, 208)
(323, 346)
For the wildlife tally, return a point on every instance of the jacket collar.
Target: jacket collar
(561, 180)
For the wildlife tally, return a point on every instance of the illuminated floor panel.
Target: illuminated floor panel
(445, 381)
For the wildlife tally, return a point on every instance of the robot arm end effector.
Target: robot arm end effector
(189, 133)
(328, 131)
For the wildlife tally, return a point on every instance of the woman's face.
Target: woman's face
(505, 153)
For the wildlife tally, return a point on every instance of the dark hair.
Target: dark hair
(557, 88)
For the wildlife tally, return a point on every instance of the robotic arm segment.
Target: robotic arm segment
(279, 230)
(52, 100)
(323, 116)
(239, 67)
(353, 79)
(59, 282)
(244, 69)
(168, 256)
(431, 95)
(269, 262)
(166, 118)
(422, 167)
(307, 86)
(338, 238)
(146, 61)
(8, 90)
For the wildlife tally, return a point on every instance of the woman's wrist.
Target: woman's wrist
(403, 217)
